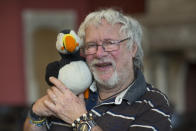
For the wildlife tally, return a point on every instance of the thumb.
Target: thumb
(81, 96)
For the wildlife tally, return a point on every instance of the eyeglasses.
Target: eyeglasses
(107, 45)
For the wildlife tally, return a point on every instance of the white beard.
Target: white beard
(114, 79)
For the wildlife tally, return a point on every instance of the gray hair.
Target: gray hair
(130, 27)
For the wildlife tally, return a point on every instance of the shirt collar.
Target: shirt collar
(93, 87)
(120, 97)
(137, 89)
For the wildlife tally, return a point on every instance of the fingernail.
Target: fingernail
(51, 77)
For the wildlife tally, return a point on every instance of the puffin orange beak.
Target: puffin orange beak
(70, 43)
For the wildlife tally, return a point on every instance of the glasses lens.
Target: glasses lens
(110, 46)
(90, 49)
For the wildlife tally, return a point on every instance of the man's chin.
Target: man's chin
(106, 79)
(102, 76)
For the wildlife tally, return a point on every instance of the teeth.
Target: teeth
(104, 64)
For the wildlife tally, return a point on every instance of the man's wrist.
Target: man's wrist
(84, 122)
(36, 119)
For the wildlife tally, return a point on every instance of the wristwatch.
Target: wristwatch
(86, 125)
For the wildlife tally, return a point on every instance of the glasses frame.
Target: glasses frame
(116, 42)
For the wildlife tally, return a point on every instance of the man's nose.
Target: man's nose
(100, 51)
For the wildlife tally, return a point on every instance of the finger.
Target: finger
(58, 84)
(56, 91)
(81, 96)
(50, 106)
(52, 96)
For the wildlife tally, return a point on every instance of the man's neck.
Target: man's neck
(109, 92)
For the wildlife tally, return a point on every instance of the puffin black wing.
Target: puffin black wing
(52, 69)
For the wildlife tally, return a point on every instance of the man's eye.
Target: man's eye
(91, 45)
(109, 43)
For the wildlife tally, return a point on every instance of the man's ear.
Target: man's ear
(134, 49)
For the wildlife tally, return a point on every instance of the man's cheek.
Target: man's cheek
(89, 59)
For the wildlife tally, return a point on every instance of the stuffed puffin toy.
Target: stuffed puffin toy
(71, 69)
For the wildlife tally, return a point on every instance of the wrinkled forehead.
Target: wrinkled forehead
(102, 31)
(104, 22)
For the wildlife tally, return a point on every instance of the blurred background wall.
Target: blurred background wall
(170, 55)
(27, 45)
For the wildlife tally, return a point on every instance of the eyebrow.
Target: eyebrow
(107, 39)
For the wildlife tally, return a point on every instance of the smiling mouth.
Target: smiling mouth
(103, 65)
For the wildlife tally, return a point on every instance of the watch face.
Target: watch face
(83, 127)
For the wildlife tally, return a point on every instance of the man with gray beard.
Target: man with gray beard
(120, 99)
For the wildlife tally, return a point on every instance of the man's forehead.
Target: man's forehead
(104, 31)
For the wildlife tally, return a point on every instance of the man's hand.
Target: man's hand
(40, 109)
(66, 105)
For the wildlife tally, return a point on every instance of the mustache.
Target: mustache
(104, 60)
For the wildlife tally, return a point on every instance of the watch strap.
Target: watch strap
(91, 123)
(84, 122)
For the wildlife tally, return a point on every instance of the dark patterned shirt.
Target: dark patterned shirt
(139, 108)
